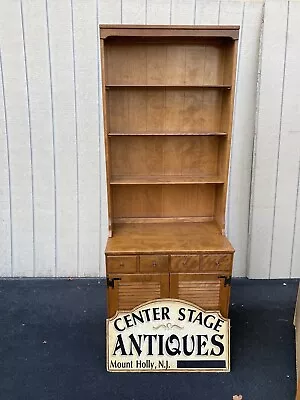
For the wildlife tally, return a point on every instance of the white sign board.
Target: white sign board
(168, 335)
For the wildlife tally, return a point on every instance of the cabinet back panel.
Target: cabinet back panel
(150, 201)
(191, 63)
(164, 109)
(150, 156)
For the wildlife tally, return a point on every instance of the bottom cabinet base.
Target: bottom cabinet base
(208, 291)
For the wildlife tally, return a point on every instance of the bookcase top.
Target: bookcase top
(229, 31)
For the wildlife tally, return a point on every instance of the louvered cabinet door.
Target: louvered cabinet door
(128, 291)
(208, 291)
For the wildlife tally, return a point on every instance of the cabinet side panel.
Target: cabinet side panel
(112, 298)
(105, 123)
(226, 125)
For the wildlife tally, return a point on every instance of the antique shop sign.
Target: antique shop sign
(168, 335)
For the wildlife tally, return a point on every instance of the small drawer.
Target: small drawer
(154, 263)
(216, 262)
(120, 264)
(185, 263)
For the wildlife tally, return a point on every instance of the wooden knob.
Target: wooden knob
(154, 264)
(121, 264)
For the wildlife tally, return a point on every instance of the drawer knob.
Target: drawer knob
(217, 263)
(154, 264)
(121, 264)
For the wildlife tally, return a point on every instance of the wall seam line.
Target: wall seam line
(253, 165)
(233, 116)
(279, 140)
(76, 136)
(30, 140)
(53, 138)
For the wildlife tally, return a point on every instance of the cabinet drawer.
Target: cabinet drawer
(121, 264)
(185, 263)
(154, 263)
(216, 262)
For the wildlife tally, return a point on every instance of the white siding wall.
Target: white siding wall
(53, 219)
(275, 228)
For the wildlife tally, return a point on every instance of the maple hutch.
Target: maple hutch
(168, 95)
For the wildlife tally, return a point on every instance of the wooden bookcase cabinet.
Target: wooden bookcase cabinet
(168, 95)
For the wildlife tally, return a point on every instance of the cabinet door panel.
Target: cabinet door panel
(132, 290)
(205, 290)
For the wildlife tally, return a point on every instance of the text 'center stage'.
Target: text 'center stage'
(168, 335)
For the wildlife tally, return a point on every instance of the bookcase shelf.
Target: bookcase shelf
(164, 180)
(168, 103)
(183, 86)
(167, 133)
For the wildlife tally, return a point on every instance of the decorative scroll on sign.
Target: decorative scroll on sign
(168, 335)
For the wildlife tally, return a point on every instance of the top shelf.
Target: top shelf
(228, 87)
(163, 31)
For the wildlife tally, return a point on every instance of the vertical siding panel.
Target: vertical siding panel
(85, 64)
(133, 11)
(65, 144)
(183, 12)
(158, 12)
(108, 12)
(289, 155)
(14, 76)
(207, 12)
(5, 220)
(267, 137)
(231, 12)
(243, 136)
(36, 45)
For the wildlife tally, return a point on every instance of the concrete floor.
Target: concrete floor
(52, 346)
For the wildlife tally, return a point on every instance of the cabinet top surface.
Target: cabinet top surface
(167, 238)
(107, 30)
(194, 27)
